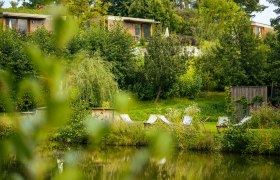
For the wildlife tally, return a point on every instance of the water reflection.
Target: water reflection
(115, 163)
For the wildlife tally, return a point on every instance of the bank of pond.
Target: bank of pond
(194, 137)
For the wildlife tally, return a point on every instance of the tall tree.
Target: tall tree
(86, 10)
(214, 18)
(118, 7)
(238, 59)
(273, 41)
(35, 3)
(250, 6)
(276, 21)
(160, 10)
(162, 64)
(1, 4)
(273, 68)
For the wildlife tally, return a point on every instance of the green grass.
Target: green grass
(26, 10)
(212, 105)
(210, 126)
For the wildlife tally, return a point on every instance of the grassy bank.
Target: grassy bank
(197, 136)
(212, 105)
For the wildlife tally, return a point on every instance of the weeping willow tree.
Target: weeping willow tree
(92, 81)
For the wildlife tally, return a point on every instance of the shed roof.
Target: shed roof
(24, 15)
(131, 19)
(261, 25)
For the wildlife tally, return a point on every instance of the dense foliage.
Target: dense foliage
(162, 67)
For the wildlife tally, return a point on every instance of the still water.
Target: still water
(122, 163)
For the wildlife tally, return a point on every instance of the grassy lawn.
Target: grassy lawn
(210, 126)
(212, 105)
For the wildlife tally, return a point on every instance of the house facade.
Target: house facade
(260, 29)
(138, 28)
(25, 23)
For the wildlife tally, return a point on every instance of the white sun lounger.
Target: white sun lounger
(243, 121)
(222, 122)
(126, 118)
(163, 118)
(153, 117)
(187, 120)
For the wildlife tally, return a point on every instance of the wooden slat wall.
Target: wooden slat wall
(249, 92)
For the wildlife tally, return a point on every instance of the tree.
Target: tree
(14, 4)
(12, 55)
(115, 46)
(163, 63)
(276, 21)
(239, 57)
(214, 18)
(35, 3)
(250, 6)
(1, 4)
(273, 68)
(163, 11)
(118, 7)
(86, 10)
(92, 79)
(274, 43)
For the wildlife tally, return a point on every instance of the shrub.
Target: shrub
(190, 84)
(74, 132)
(44, 39)
(236, 140)
(12, 55)
(260, 143)
(7, 128)
(174, 115)
(192, 138)
(124, 134)
(25, 102)
(265, 117)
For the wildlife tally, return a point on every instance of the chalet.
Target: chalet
(260, 29)
(138, 28)
(24, 23)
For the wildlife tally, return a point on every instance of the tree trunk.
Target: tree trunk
(158, 94)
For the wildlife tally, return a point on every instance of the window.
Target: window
(258, 31)
(137, 32)
(22, 25)
(11, 23)
(147, 31)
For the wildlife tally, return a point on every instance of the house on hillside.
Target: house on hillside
(25, 23)
(138, 28)
(261, 30)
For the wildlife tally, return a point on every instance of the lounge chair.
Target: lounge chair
(126, 118)
(243, 121)
(153, 117)
(163, 118)
(223, 122)
(187, 120)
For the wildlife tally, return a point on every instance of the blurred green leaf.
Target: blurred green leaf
(160, 144)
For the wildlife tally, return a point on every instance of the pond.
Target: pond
(129, 163)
